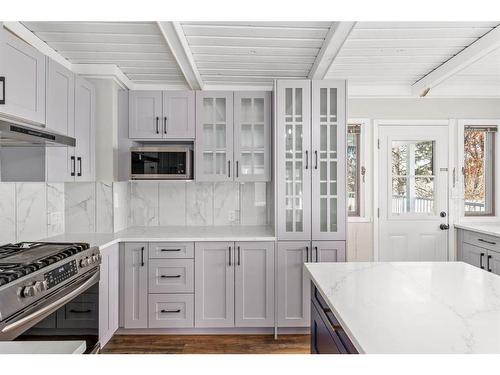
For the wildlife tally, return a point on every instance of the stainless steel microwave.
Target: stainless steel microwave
(161, 163)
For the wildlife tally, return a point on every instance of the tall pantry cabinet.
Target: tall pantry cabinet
(311, 186)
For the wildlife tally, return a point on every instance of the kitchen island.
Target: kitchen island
(404, 307)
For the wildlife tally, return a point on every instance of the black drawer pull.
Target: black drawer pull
(170, 249)
(481, 261)
(485, 241)
(170, 276)
(80, 311)
(170, 311)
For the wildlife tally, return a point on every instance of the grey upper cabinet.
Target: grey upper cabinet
(310, 161)
(293, 290)
(83, 164)
(108, 293)
(328, 251)
(254, 284)
(293, 166)
(214, 136)
(252, 136)
(23, 69)
(135, 304)
(161, 115)
(60, 96)
(328, 155)
(214, 284)
(178, 115)
(145, 114)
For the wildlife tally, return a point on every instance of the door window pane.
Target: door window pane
(353, 169)
(413, 174)
(479, 171)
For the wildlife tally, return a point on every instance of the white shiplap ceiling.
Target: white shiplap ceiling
(253, 54)
(137, 48)
(402, 53)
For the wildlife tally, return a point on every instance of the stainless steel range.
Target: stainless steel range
(49, 290)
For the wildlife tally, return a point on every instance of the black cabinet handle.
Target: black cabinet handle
(237, 169)
(485, 241)
(488, 263)
(307, 253)
(307, 159)
(316, 158)
(481, 261)
(239, 256)
(170, 276)
(229, 168)
(142, 256)
(157, 125)
(79, 159)
(80, 311)
(165, 125)
(316, 249)
(170, 249)
(229, 255)
(73, 166)
(2, 81)
(170, 311)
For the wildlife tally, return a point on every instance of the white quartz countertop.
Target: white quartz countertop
(493, 229)
(42, 347)
(413, 307)
(177, 234)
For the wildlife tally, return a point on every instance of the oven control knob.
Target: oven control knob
(29, 291)
(84, 262)
(41, 286)
(95, 258)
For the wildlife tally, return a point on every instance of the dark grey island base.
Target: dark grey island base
(327, 335)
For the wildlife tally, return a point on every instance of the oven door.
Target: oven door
(71, 313)
(161, 164)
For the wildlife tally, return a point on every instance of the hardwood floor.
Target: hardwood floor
(207, 344)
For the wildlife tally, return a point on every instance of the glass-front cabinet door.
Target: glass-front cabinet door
(328, 160)
(252, 136)
(293, 164)
(214, 136)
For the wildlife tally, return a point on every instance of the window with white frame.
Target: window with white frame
(479, 170)
(355, 172)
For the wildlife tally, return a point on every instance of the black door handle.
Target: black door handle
(2, 80)
(79, 159)
(237, 169)
(316, 159)
(481, 256)
(307, 253)
(444, 227)
(73, 166)
(239, 256)
(80, 311)
(316, 248)
(229, 168)
(165, 125)
(229, 255)
(307, 159)
(142, 256)
(488, 263)
(157, 125)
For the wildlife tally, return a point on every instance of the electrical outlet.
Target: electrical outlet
(232, 216)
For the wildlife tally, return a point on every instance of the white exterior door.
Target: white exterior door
(413, 192)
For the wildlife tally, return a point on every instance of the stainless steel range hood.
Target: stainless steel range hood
(16, 135)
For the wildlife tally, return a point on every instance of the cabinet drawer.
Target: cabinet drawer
(160, 250)
(171, 276)
(482, 240)
(78, 314)
(171, 311)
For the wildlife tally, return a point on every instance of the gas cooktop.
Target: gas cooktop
(21, 259)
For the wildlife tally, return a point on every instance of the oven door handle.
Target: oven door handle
(53, 306)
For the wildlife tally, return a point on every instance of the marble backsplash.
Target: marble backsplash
(198, 203)
(30, 211)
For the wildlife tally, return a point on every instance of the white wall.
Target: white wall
(360, 234)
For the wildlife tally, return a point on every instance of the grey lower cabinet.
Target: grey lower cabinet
(293, 286)
(108, 293)
(479, 250)
(22, 74)
(135, 295)
(234, 284)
